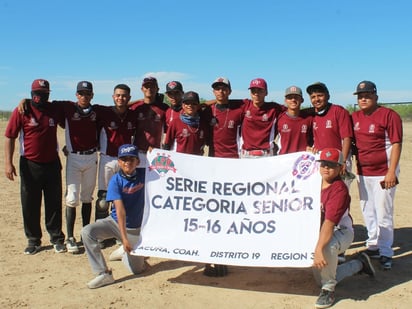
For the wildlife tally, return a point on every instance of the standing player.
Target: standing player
(126, 192)
(378, 137)
(117, 126)
(226, 121)
(174, 93)
(332, 126)
(40, 167)
(259, 122)
(190, 132)
(294, 126)
(81, 151)
(151, 118)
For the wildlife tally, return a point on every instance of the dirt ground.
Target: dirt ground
(55, 280)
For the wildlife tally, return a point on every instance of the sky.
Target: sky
(287, 43)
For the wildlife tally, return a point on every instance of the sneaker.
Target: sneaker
(59, 247)
(386, 262)
(32, 249)
(373, 254)
(101, 280)
(117, 254)
(367, 265)
(71, 245)
(326, 299)
(341, 258)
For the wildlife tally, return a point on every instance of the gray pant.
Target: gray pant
(328, 276)
(105, 229)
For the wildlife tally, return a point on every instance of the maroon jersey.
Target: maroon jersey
(115, 130)
(38, 132)
(295, 133)
(151, 122)
(374, 136)
(187, 139)
(80, 127)
(170, 115)
(226, 121)
(330, 128)
(258, 128)
(335, 201)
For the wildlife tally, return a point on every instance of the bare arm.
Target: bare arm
(346, 146)
(325, 235)
(121, 218)
(9, 146)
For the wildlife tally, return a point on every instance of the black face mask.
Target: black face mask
(39, 99)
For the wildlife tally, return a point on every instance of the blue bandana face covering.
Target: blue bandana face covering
(192, 121)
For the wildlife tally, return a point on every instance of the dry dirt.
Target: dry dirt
(55, 280)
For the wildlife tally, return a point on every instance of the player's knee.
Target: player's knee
(101, 203)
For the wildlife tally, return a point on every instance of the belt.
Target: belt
(85, 152)
(255, 152)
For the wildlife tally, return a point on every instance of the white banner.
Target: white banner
(247, 212)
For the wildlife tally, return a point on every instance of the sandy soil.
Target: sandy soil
(55, 280)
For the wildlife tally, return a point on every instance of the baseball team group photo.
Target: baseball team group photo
(173, 200)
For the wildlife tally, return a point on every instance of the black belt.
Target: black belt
(85, 152)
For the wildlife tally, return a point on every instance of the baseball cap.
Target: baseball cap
(221, 81)
(40, 85)
(331, 155)
(318, 87)
(149, 80)
(84, 86)
(174, 86)
(365, 86)
(191, 96)
(258, 83)
(128, 150)
(293, 90)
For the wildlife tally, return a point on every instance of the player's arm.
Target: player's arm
(9, 146)
(325, 235)
(121, 219)
(346, 147)
(390, 177)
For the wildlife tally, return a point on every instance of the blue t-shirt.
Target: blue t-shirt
(131, 192)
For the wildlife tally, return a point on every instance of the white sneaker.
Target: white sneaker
(117, 254)
(101, 280)
(71, 245)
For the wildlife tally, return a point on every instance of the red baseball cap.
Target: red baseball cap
(258, 83)
(40, 85)
(331, 155)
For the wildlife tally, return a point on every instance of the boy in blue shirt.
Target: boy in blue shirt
(126, 193)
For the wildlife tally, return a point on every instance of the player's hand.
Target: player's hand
(65, 151)
(319, 260)
(11, 172)
(126, 246)
(21, 108)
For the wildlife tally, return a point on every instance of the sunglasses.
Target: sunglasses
(328, 164)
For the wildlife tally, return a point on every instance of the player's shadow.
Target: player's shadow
(300, 281)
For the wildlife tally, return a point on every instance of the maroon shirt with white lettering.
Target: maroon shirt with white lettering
(37, 132)
(259, 125)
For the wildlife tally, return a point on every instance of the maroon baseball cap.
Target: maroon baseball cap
(149, 80)
(331, 155)
(40, 85)
(258, 83)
